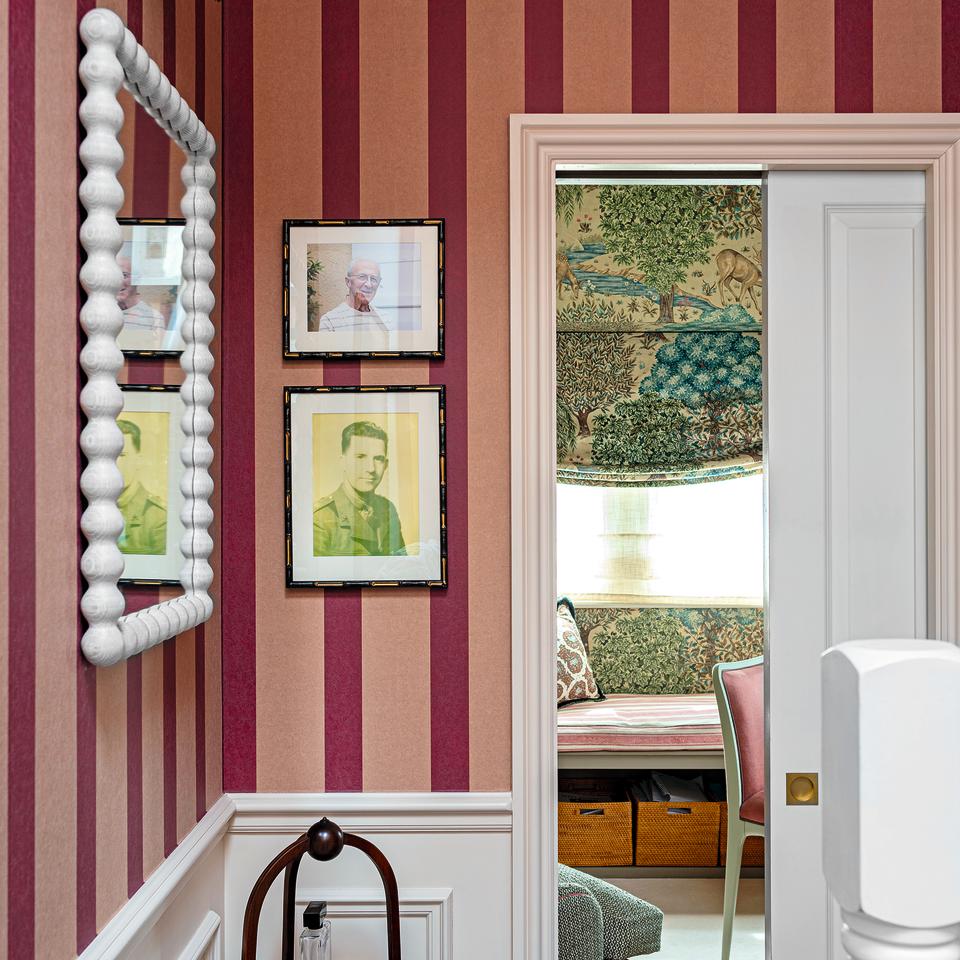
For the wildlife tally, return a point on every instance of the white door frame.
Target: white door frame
(538, 144)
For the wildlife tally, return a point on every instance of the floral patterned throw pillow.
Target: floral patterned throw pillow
(575, 681)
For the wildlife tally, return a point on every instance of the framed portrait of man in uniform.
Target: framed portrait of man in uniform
(150, 500)
(365, 486)
(363, 288)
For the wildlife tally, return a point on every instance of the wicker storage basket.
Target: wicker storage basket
(753, 853)
(595, 824)
(676, 834)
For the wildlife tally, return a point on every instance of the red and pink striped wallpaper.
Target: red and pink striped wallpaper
(103, 771)
(378, 108)
(341, 108)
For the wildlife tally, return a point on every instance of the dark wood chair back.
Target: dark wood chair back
(323, 841)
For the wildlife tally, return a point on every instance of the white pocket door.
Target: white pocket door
(846, 453)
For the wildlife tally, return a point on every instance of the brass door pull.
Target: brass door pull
(803, 789)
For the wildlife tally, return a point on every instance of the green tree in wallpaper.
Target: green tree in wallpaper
(650, 432)
(566, 430)
(593, 370)
(661, 229)
(641, 653)
(696, 366)
(569, 199)
(733, 211)
(719, 376)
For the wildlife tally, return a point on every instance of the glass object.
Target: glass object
(315, 938)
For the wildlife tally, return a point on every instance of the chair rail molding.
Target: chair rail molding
(539, 144)
(112, 57)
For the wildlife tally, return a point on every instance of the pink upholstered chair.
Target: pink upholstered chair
(739, 690)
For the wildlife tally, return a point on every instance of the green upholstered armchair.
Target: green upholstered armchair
(599, 921)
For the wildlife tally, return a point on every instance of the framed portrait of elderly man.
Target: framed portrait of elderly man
(363, 288)
(151, 258)
(365, 486)
(151, 500)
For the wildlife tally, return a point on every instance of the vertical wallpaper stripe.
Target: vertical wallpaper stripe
(169, 747)
(495, 89)
(704, 56)
(597, 57)
(5, 166)
(86, 675)
(134, 772)
(290, 624)
(449, 609)
(211, 62)
(543, 55)
(757, 56)
(342, 609)
(21, 486)
(805, 40)
(395, 695)
(950, 55)
(650, 59)
(238, 523)
(55, 405)
(853, 56)
(897, 54)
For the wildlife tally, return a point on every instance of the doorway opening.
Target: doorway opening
(660, 551)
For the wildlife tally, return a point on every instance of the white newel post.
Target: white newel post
(891, 782)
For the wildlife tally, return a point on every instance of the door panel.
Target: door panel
(846, 485)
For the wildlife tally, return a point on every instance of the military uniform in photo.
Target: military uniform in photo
(346, 525)
(144, 522)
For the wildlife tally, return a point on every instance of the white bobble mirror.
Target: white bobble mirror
(114, 58)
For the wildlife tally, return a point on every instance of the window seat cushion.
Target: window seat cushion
(635, 722)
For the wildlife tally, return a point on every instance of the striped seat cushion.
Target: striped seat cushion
(641, 722)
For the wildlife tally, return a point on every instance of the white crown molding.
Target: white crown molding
(539, 145)
(433, 905)
(112, 57)
(160, 889)
(374, 813)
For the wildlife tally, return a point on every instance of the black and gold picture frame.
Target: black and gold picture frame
(363, 288)
(151, 259)
(151, 500)
(365, 481)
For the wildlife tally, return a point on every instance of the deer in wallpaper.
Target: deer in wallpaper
(565, 273)
(735, 266)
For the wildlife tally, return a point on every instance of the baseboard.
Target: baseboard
(143, 910)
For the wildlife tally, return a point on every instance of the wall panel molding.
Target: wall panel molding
(430, 910)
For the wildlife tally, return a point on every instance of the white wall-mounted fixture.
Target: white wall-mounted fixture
(113, 58)
(891, 838)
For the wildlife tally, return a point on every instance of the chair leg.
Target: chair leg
(731, 884)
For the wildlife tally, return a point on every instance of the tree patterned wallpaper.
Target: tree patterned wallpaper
(659, 312)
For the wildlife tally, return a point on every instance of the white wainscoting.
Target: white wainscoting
(172, 914)
(451, 853)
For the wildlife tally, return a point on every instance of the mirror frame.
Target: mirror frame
(113, 57)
